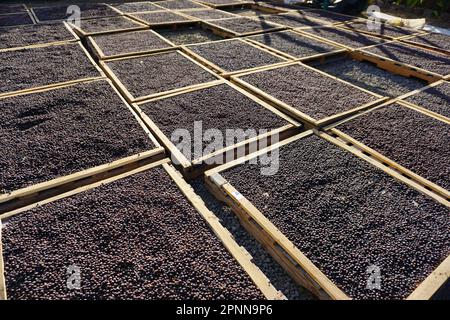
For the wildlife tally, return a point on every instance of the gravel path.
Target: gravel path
(427, 60)
(294, 44)
(346, 216)
(148, 243)
(234, 55)
(156, 73)
(59, 132)
(412, 139)
(368, 76)
(308, 91)
(34, 34)
(128, 42)
(218, 108)
(435, 99)
(44, 66)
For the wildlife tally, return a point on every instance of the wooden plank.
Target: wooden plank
(347, 26)
(3, 295)
(194, 168)
(432, 283)
(410, 41)
(297, 114)
(131, 99)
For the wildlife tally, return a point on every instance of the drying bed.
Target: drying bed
(60, 12)
(223, 3)
(247, 11)
(342, 37)
(433, 40)
(220, 107)
(11, 8)
(436, 99)
(307, 93)
(42, 139)
(136, 7)
(422, 58)
(16, 19)
(343, 214)
(149, 242)
(293, 44)
(412, 139)
(160, 18)
(189, 35)
(210, 14)
(24, 36)
(180, 5)
(109, 24)
(151, 75)
(43, 67)
(242, 25)
(126, 43)
(381, 29)
(233, 55)
(292, 20)
(327, 15)
(369, 77)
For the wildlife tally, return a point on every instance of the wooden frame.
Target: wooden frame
(173, 24)
(297, 265)
(337, 23)
(15, 198)
(227, 33)
(297, 114)
(57, 84)
(431, 189)
(243, 258)
(224, 73)
(421, 108)
(98, 52)
(293, 58)
(33, 14)
(37, 45)
(373, 56)
(186, 13)
(410, 41)
(203, 6)
(14, 4)
(302, 31)
(130, 98)
(82, 33)
(32, 18)
(255, 7)
(126, 13)
(378, 35)
(192, 169)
